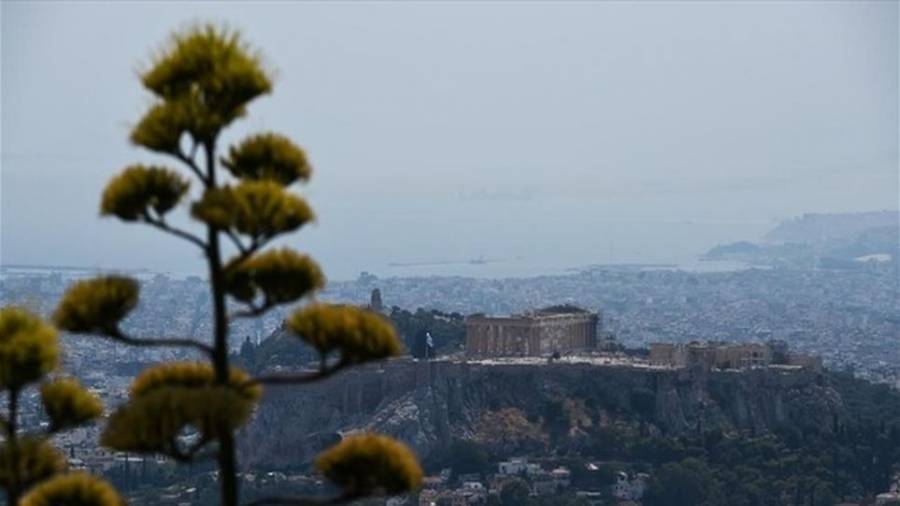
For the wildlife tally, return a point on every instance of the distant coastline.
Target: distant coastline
(81, 271)
(40, 267)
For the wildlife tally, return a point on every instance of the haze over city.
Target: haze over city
(530, 136)
(450, 253)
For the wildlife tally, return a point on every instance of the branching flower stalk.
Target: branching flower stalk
(203, 81)
(30, 466)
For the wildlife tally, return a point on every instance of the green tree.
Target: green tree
(447, 330)
(561, 500)
(29, 464)
(515, 493)
(468, 457)
(202, 82)
(598, 477)
(686, 483)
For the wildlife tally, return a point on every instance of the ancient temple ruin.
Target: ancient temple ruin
(555, 329)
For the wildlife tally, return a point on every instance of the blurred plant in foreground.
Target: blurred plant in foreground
(202, 82)
(29, 463)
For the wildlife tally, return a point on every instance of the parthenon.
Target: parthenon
(556, 329)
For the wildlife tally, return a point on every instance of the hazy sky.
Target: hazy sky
(541, 134)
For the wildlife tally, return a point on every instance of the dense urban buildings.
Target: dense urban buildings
(758, 320)
(851, 318)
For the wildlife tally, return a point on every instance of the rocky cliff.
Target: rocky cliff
(528, 408)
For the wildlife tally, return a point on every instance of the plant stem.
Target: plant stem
(226, 457)
(14, 490)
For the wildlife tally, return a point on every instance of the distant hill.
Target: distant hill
(736, 248)
(873, 241)
(831, 241)
(815, 228)
(758, 433)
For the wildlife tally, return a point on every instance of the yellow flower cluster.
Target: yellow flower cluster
(68, 404)
(281, 276)
(138, 189)
(31, 461)
(211, 58)
(268, 156)
(168, 398)
(75, 489)
(358, 335)
(204, 81)
(28, 348)
(258, 209)
(28, 352)
(96, 305)
(162, 126)
(369, 464)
